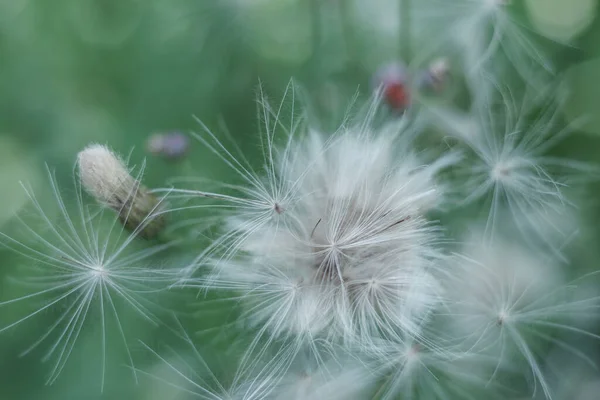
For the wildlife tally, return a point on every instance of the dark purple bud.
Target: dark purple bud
(171, 145)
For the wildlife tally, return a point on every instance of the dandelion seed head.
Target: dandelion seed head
(509, 301)
(83, 263)
(506, 169)
(361, 226)
(350, 252)
(503, 280)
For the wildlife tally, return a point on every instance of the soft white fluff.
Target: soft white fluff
(332, 239)
(506, 300)
(507, 167)
(84, 262)
(480, 30)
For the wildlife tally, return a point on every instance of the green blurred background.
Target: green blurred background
(74, 72)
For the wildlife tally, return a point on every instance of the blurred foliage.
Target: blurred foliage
(116, 71)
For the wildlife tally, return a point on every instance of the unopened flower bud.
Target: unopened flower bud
(170, 145)
(435, 77)
(393, 81)
(105, 177)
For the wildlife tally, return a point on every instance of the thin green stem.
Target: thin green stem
(315, 16)
(405, 31)
(347, 30)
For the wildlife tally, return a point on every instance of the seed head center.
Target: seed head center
(98, 271)
(502, 317)
(501, 171)
(278, 208)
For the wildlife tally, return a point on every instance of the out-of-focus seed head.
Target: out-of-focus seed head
(511, 300)
(325, 377)
(104, 176)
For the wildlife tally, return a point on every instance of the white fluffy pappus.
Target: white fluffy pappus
(189, 375)
(480, 29)
(260, 199)
(512, 304)
(577, 377)
(332, 241)
(84, 267)
(508, 168)
(332, 375)
(432, 369)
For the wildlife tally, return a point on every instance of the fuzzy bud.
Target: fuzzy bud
(105, 177)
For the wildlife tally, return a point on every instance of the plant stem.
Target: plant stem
(405, 31)
(347, 30)
(315, 16)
